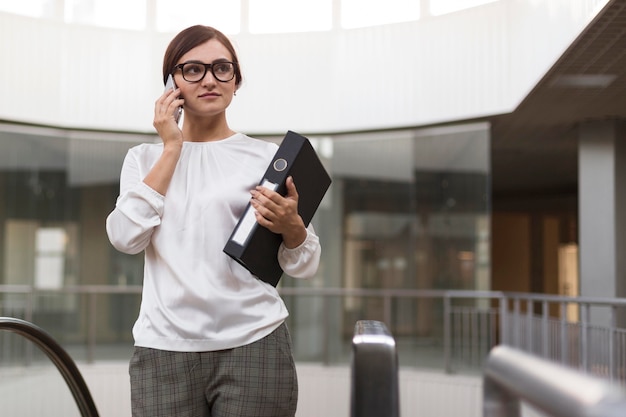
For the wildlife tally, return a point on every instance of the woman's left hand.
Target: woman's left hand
(280, 214)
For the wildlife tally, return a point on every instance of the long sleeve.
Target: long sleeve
(137, 212)
(301, 261)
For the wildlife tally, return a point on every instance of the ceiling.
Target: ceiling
(534, 149)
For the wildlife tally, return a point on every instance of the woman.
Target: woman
(210, 339)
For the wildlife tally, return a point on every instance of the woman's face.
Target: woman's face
(207, 97)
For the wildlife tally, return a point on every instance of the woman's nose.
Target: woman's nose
(209, 78)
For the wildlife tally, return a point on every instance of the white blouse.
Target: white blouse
(195, 297)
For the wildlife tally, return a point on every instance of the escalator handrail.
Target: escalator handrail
(374, 381)
(61, 359)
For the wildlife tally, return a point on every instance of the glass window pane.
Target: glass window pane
(55, 194)
(407, 210)
(360, 13)
(279, 16)
(121, 14)
(439, 7)
(174, 16)
(32, 8)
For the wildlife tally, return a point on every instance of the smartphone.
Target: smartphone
(171, 85)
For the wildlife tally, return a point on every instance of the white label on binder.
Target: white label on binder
(248, 221)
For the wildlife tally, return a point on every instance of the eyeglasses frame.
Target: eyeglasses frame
(207, 67)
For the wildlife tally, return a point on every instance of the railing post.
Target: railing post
(503, 319)
(447, 334)
(563, 326)
(517, 323)
(474, 338)
(529, 325)
(584, 337)
(28, 316)
(91, 330)
(545, 335)
(387, 308)
(327, 330)
(612, 330)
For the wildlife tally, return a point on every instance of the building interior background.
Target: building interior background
(483, 201)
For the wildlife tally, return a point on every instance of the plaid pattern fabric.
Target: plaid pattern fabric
(256, 380)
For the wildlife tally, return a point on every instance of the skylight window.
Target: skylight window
(31, 8)
(280, 16)
(439, 7)
(173, 16)
(121, 14)
(233, 16)
(362, 13)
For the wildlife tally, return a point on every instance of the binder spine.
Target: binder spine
(280, 168)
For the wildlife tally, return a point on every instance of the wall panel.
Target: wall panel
(464, 65)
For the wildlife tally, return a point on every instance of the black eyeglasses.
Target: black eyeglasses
(193, 72)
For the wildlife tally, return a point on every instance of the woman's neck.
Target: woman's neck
(206, 129)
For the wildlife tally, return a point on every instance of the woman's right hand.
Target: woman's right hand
(165, 110)
(165, 123)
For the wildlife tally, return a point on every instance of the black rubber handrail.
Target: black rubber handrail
(61, 359)
(375, 386)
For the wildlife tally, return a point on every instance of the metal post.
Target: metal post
(91, 329)
(28, 316)
(474, 339)
(564, 341)
(545, 340)
(529, 325)
(584, 338)
(447, 336)
(387, 309)
(503, 319)
(612, 330)
(517, 325)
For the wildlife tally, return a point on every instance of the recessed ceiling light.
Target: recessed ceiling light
(583, 80)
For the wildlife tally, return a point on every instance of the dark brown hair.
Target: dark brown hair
(191, 37)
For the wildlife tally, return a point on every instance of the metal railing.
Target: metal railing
(463, 326)
(512, 377)
(594, 346)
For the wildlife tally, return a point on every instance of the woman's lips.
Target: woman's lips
(209, 95)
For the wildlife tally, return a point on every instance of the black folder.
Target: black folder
(256, 247)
